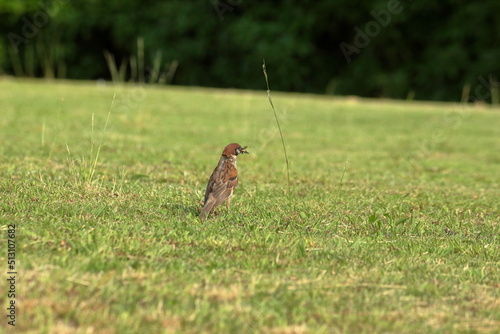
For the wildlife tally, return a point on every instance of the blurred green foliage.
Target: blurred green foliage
(424, 50)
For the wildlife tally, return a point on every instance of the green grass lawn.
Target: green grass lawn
(391, 225)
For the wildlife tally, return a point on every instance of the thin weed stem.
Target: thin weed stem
(342, 177)
(93, 160)
(279, 127)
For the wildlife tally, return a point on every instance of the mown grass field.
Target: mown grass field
(391, 225)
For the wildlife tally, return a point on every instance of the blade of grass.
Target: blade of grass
(15, 61)
(93, 160)
(113, 70)
(155, 73)
(342, 177)
(140, 59)
(279, 127)
(171, 71)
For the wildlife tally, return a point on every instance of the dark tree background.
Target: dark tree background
(422, 49)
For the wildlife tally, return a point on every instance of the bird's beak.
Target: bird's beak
(243, 150)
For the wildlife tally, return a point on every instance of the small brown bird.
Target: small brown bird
(224, 179)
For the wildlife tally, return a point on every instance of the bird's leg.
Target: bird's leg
(228, 203)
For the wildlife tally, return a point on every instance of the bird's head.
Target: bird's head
(233, 150)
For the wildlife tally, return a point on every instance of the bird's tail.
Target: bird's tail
(205, 211)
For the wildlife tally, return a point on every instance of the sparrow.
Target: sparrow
(223, 180)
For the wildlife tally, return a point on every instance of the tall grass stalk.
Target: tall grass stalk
(279, 127)
(155, 73)
(342, 177)
(465, 93)
(117, 74)
(140, 59)
(171, 71)
(42, 139)
(95, 159)
(46, 50)
(133, 68)
(139, 72)
(29, 60)
(15, 60)
(494, 88)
